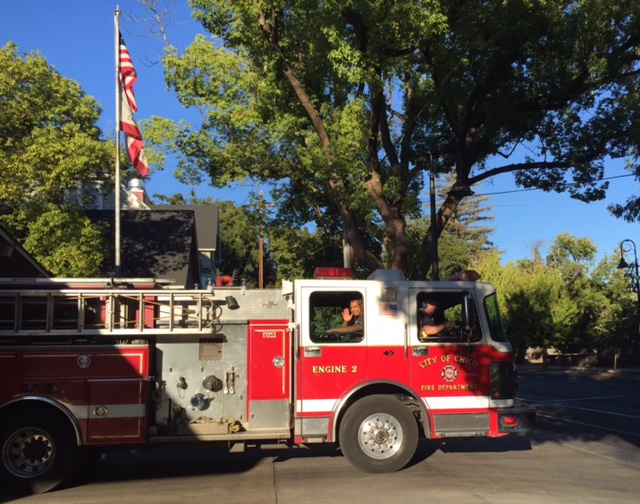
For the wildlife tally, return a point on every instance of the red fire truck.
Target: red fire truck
(100, 363)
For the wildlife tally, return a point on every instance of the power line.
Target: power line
(498, 193)
(538, 189)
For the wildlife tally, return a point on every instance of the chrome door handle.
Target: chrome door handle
(312, 352)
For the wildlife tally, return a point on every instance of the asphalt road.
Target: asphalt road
(588, 457)
(585, 404)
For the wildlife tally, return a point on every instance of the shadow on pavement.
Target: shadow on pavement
(153, 462)
(513, 442)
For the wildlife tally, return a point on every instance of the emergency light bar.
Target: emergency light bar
(333, 272)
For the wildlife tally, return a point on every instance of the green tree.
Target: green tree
(532, 295)
(298, 252)
(347, 117)
(566, 302)
(573, 255)
(238, 242)
(48, 143)
(614, 331)
(65, 242)
(288, 252)
(239, 231)
(573, 258)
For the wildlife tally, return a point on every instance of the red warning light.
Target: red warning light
(509, 421)
(332, 272)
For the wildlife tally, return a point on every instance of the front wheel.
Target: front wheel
(37, 451)
(378, 434)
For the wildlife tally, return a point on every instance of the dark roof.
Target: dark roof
(206, 223)
(17, 262)
(153, 243)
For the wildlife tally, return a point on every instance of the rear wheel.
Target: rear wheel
(38, 450)
(378, 434)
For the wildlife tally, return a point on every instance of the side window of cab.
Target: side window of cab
(447, 317)
(336, 317)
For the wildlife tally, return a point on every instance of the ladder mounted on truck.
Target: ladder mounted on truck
(47, 311)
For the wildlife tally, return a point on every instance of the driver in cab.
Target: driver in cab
(432, 321)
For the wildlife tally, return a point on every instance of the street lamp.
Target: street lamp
(627, 246)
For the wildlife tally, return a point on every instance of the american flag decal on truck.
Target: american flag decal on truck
(389, 309)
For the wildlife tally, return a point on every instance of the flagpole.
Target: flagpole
(118, 120)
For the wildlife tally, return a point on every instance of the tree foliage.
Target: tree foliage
(347, 117)
(615, 327)
(464, 241)
(239, 233)
(65, 242)
(288, 253)
(566, 302)
(48, 143)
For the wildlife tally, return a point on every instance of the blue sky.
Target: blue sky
(77, 38)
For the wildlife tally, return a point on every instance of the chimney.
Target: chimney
(136, 187)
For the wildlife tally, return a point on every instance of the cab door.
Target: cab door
(449, 370)
(328, 363)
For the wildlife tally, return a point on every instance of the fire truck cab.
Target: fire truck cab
(90, 363)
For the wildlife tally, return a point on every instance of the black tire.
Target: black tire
(38, 450)
(378, 434)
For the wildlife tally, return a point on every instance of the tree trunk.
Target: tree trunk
(445, 212)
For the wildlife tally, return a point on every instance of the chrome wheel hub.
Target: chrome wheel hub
(380, 436)
(28, 453)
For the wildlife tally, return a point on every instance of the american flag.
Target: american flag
(390, 309)
(135, 144)
(128, 75)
